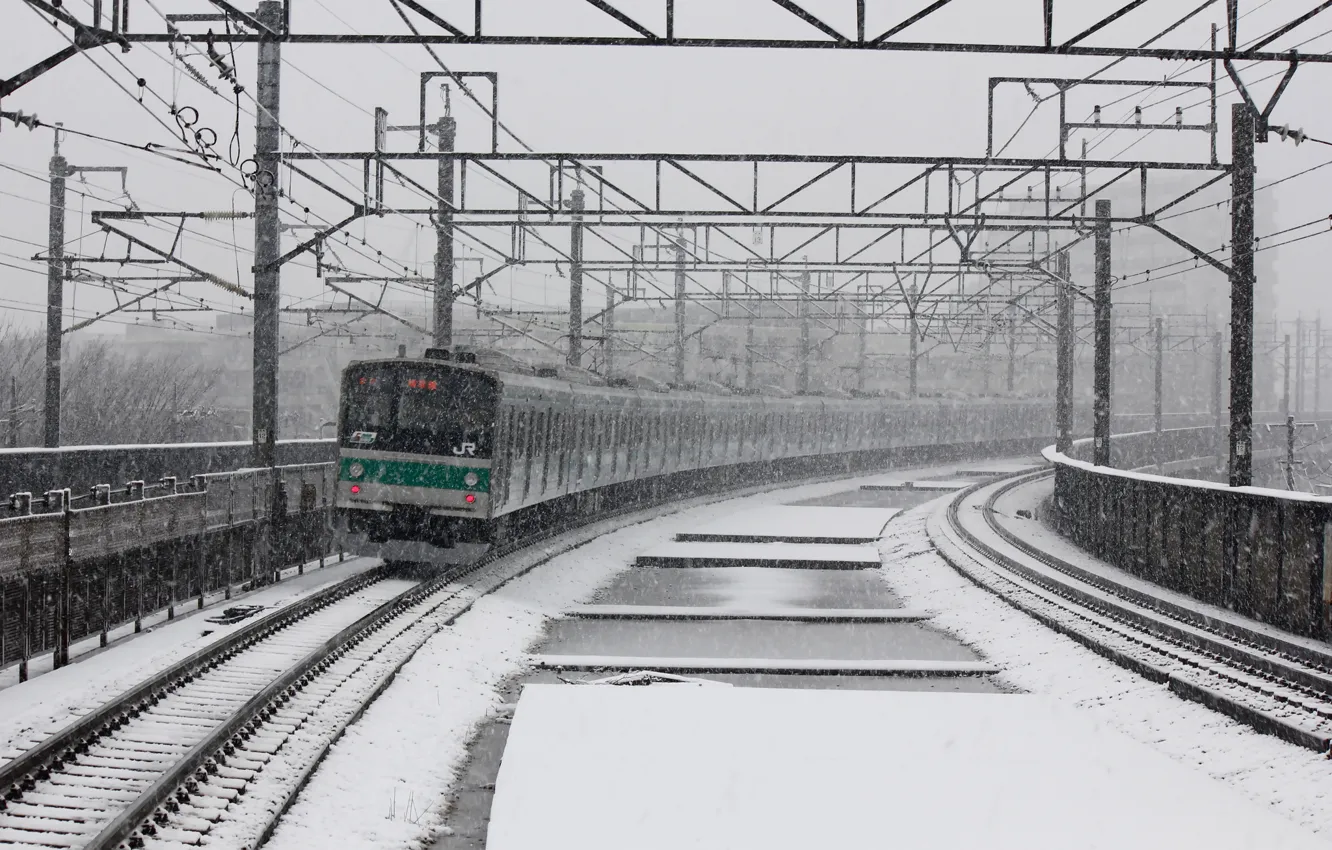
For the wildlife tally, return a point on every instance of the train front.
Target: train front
(416, 445)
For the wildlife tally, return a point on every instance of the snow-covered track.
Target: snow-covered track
(22, 770)
(1277, 686)
(76, 786)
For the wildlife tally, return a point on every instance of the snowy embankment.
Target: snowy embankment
(1289, 779)
(383, 784)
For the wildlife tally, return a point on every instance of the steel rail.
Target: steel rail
(1250, 655)
(154, 804)
(20, 772)
(1235, 633)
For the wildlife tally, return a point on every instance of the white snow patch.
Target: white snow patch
(793, 522)
(763, 768)
(1290, 780)
(412, 741)
(832, 553)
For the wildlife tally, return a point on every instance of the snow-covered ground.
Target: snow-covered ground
(1289, 779)
(698, 766)
(383, 784)
(46, 702)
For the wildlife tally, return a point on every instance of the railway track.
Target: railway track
(219, 745)
(1277, 686)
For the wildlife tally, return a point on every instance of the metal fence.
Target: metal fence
(1261, 553)
(81, 467)
(68, 572)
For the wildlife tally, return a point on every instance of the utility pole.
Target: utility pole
(1218, 350)
(576, 201)
(1285, 378)
(1317, 364)
(679, 309)
(1241, 295)
(913, 331)
(55, 295)
(267, 234)
(1064, 357)
(1102, 362)
(862, 360)
(749, 353)
(608, 331)
(1160, 370)
(1012, 345)
(913, 374)
(446, 130)
(1299, 364)
(802, 367)
(1290, 448)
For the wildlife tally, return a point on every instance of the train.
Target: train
(445, 455)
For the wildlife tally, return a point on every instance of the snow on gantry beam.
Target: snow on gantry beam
(670, 766)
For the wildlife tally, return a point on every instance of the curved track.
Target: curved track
(234, 731)
(1278, 686)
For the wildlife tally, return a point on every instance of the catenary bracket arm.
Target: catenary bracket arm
(207, 276)
(121, 306)
(375, 308)
(1262, 114)
(314, 240)
(1192, 249)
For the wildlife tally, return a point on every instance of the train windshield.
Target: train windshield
(421, 409)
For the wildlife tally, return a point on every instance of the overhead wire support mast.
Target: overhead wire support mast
(267, 235)
(57, 269)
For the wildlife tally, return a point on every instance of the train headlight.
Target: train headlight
(470, 498)
(355, 470)
(471, 479)
(355, 488)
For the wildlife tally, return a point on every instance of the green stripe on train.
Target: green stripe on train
(410, 473)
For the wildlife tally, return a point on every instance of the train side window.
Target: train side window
(543, 436)
(522, 433)
(580, 434)
(561, 442)
(534, 423)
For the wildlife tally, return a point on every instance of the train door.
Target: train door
(540, 464)
(522, 467)
(560, 447)
(580, 447)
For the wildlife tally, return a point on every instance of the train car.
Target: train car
(444, 455)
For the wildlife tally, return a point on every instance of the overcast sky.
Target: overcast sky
(609, 99)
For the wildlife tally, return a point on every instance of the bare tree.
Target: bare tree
(107, 395)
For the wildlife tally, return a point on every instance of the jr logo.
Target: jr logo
(468, 449)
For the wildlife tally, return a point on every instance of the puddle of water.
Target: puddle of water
(753, 639)
(749, 586)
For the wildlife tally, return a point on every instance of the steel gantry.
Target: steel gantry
(966, 228)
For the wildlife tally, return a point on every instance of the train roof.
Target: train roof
(507, 368)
